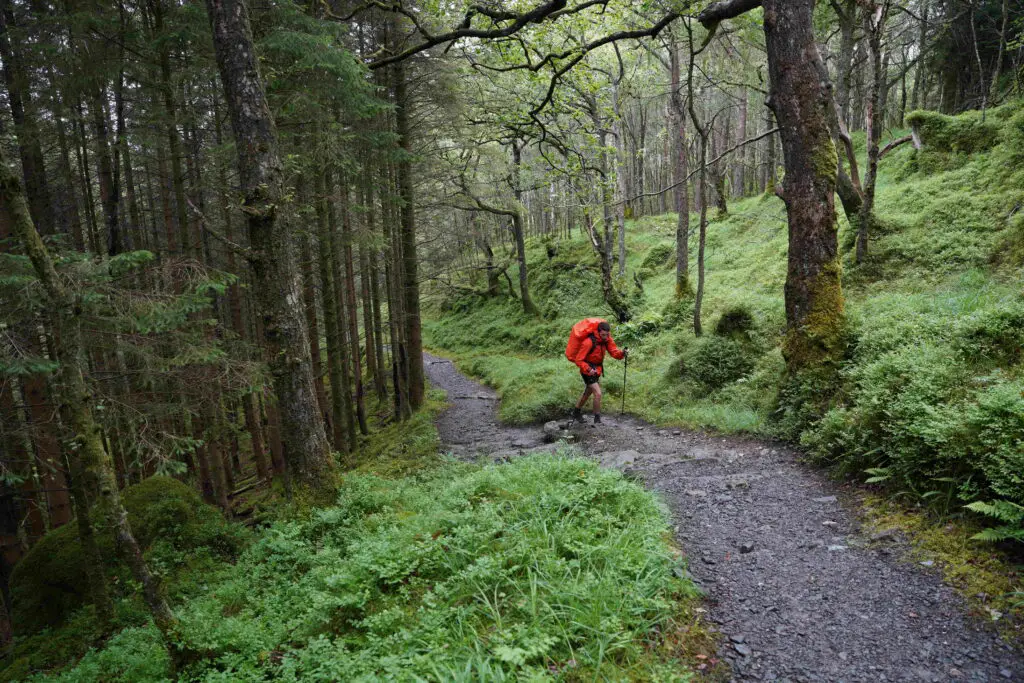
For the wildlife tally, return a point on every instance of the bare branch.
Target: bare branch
(894, 144)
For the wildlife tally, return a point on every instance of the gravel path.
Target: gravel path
(798, 592)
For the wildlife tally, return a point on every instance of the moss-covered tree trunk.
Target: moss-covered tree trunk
(183, 243)
(680, 171)
(518, 229)
(410, 263)
(801, 100)
(345, 345)
(611, 295)
(702, 187)
(348, 290)
(275, 270)
(874, 23)
(335, 343)
(95, 466)
(19, 98)
(369, 333)
(313, 325)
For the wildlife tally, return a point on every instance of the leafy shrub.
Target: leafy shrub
(715, 361)
(905, 411)
(736, 322)
(994, 334)
(659, 256)
(1013, 134)
(677, 312)
(168, 518)
(995, 433)
(635, 331)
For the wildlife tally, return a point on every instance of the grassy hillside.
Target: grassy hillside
(933, 391)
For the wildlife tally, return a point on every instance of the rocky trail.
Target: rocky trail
(797, 590)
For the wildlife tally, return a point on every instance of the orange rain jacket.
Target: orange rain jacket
(590, 357)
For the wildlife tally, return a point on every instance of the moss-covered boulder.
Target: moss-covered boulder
(49, 582)
(966, 132)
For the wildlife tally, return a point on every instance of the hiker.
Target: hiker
(589, 358)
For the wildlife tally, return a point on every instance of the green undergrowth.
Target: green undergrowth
(185, 542)
(931, 396)
(424, 569)
(545, 568)
(398, 449)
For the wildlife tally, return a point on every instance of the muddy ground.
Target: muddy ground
(797, 590)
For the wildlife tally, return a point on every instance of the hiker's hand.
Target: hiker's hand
(625, 352)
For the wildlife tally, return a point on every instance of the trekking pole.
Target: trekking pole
(626, 364)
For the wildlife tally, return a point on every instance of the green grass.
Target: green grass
(424, 569)
(544, 568)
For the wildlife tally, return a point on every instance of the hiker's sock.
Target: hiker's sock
(597, 418)
(577, 414)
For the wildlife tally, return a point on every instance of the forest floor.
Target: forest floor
(799, 589)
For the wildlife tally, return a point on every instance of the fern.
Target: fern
(1005, 511)
(878, 475)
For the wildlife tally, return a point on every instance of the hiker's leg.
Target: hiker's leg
(595, 388)
(585, 396)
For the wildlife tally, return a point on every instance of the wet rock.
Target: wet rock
(555, 431)
(619, 460)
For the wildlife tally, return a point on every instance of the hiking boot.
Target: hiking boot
(577, 415)
(597, 419)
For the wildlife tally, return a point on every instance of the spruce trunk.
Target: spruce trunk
(274, 263)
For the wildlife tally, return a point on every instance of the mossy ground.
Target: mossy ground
(992, 581)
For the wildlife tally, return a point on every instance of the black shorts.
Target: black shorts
(590, 379)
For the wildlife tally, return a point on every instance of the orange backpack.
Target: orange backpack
(580, 331)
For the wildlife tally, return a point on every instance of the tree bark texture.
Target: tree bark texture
(519, 231)
(680, 172)
(19, 97)
(874, 24)
(275, 271)
(800, 99)
(410, 263)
